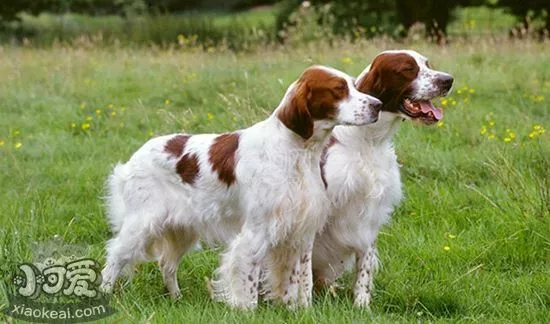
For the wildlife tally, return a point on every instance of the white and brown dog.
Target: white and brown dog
(361, 170)
(258, 190)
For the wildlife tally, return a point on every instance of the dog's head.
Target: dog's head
(406, 84)
(325, 97)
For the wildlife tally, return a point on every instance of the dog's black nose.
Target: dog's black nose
(445, 82)
(376, 104)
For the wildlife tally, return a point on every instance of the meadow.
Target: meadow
(470, 242)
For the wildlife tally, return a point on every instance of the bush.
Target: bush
(354, 18)
(360, 18)
(9, 9)
(528, 10)
(434, 14)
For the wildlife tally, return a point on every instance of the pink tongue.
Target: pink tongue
(427, 106)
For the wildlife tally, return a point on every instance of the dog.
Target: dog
(258, 190)
(361, 169)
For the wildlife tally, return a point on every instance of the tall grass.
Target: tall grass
(237, 32)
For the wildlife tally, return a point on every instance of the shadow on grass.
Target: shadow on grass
(428, 304)
(422, 305)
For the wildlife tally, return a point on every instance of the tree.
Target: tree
(435, 14)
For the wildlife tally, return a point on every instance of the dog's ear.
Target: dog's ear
(295, 114)
(371, 82)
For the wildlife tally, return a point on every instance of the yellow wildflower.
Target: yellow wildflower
(151, 133)
(18, 145)
(167, 102)
(98, 111)
(472, 91)
(459, 91)
(447, 248)
(86, 126)
(507, 139)
(2, 143)
(491, 137)
(16, 133)
(483, 130)
(537, 130)
(113, 113)
(492, 123)
(209, 116)
(73, 125)
(444, 102)
(347, 60)
(89, 118)
(440, 123)
(181, 39)
(451, 236)
(453, 102)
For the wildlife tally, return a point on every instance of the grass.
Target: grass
(242, 31)
(471, 241)
(237, 31)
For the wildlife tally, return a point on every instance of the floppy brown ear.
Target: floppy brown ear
(371, 83)
(295, 115)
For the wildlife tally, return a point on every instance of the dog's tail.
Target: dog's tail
(116, 206)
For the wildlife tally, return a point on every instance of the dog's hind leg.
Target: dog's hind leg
(175, 243)
(128, 247)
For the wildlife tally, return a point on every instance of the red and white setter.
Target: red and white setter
(361, 170)
(258, 190)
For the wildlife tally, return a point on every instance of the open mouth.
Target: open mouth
(422, 110)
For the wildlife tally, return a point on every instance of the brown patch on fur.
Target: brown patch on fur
(332, 140)
(222, 156)
(390, 79)
(188, 165)
(176, 145)
(188, 168)
(314, 97)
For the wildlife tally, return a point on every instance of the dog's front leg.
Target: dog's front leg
(284, 274)
(237, 280)
(306, 276)
(365, 266)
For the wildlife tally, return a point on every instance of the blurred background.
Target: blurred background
(244, 24)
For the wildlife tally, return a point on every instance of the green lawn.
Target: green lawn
(471, 242)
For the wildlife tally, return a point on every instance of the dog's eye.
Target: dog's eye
(341, 88)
